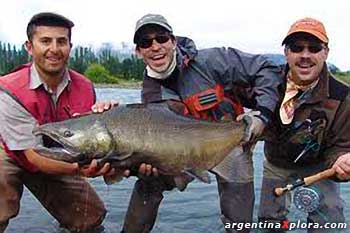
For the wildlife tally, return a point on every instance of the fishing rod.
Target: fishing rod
(304, 182)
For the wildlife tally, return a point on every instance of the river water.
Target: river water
(196, 210)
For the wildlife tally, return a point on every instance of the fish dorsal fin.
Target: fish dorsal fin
(199, 174)
(110, 158)
(224, 168)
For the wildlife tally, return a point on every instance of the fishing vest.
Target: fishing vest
(207, 99)
(77, 97)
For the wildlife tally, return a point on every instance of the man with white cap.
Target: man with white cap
(310, 130)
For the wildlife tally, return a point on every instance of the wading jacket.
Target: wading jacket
(77, 97)
(320, 126)
(251, 80)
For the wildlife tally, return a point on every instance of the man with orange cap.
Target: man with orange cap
(309, 132)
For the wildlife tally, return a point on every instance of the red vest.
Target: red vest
(77, 97)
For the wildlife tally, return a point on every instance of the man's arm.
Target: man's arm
(50, 166)
(16, 126)
(55, 167)
(252, 72)
(337, 152)
(257, 77)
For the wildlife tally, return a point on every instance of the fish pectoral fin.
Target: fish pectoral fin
(225, 167)
(199, 174)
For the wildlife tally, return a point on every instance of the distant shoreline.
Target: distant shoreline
(126, 85)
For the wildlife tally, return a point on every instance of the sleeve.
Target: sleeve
(338, 137)
(252, 72)
(16, 124)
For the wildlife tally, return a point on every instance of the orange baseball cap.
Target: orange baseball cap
(308, 25)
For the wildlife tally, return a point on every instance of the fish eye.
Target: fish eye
(67, 134)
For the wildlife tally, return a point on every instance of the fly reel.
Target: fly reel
(307, 199)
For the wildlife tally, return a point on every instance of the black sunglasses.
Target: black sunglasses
(146, 42)
(313, 48)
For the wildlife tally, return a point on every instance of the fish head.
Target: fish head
(76, 140)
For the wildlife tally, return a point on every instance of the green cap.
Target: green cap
(152, 19)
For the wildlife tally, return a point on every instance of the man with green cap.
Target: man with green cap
(213, 84)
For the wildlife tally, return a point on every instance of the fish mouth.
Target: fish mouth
(56, 147)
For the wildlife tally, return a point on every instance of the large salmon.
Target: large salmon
(129, 135)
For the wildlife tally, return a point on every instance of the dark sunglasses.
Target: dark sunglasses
(147, 42)
(314, 48)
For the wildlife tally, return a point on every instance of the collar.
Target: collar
(36, 81)
(292, 85)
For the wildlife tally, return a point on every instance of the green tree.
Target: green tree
(82, 58)
(10, 57)
(99, 74)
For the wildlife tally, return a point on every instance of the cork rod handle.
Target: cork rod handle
(319, 176)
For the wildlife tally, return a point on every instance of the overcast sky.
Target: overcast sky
(255, 26)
